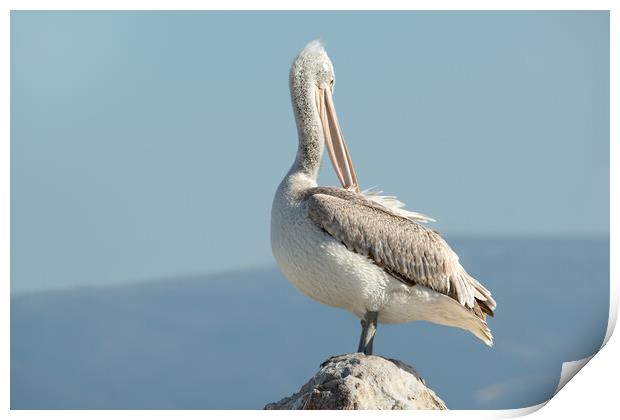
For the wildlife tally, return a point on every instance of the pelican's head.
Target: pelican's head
(313, 64)
(312, 82)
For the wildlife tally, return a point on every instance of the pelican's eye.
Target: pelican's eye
(331, 83)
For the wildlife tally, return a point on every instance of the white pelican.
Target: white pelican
(357, 250)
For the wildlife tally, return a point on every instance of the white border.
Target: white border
(311, 5)
(592, 394)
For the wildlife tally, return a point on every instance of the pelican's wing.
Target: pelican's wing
(407, 250)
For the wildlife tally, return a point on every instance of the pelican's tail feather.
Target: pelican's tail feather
(484, 333)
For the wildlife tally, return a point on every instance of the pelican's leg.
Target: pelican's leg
(369, 328)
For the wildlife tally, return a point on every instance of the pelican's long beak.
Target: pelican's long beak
(336, 147)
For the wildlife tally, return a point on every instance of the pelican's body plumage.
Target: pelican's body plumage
(356, 250)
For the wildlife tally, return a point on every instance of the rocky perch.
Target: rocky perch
(359, 382)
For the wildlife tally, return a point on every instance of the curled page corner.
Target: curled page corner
(569, 370)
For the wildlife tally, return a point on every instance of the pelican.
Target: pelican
(361, 251)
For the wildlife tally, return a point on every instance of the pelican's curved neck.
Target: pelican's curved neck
(309, 129)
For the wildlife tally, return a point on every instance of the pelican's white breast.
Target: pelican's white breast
(318, 265)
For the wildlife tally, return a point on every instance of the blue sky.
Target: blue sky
(148, 145)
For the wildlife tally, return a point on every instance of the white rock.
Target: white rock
(359, 382)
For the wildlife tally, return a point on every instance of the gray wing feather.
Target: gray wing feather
(407, 250)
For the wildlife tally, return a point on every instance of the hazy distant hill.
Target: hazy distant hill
(240, 340)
